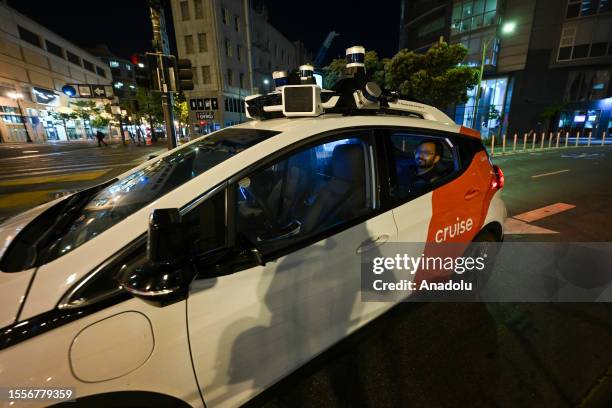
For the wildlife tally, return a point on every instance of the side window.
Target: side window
(206, 227)
(419, 163)
(311, 191)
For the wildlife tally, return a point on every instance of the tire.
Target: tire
(485, 245)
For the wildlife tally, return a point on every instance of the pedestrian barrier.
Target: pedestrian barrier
(532, 142)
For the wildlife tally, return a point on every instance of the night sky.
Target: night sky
(125, 27)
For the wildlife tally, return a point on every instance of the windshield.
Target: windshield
(128, 195)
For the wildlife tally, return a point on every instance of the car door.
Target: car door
(444, 209)
(308, 215)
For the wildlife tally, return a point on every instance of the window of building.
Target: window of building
(242, 80)
(113, 64)
(194, 71)
(73, 58)
(236, 23)
(230, 77)
(184, 10)
(88, 66)
(578, 8)
(565, 53)
(580, 51)
(206, 74)
(189, 44)
(101, 72)
(54, 49)
(224, 15)
(598, 49)
(202, 43)
(587, 85)
(239, 52)
(29, 37)
(198, 9)
(228, 47)
(468, 15)
(435, 25)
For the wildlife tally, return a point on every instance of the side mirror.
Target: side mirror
(165, 277)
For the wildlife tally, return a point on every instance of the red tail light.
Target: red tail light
(499, 180)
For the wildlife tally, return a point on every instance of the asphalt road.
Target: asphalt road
(427, 354)
(31, 174)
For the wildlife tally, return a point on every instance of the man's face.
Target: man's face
(425, 156)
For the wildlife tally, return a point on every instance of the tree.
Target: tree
(63, 116)
(181, 112)
(149, 106)
(434, 77)
(84, 109)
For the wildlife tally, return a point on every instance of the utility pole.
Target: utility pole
(161, 47)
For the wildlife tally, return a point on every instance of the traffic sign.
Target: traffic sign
(205, 115)
(88, 91)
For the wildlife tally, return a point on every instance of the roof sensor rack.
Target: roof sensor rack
(297, 95)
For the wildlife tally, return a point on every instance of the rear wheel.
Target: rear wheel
(484, 247)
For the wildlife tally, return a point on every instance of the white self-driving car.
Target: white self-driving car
(208, 274)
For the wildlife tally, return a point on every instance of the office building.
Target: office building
(35, 64)
(234, 50)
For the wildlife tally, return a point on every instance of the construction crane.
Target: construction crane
(324, 48)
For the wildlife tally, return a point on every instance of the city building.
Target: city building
(547, 63)
(234, 50)
(35, 64)
(123, 72)
(422, 23)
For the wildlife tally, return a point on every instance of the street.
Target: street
(429, 354)
(36, 173)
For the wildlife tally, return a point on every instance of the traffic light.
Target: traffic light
(142, 71)
(184, 75)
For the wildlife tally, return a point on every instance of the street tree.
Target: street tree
(63, 116)
(149, 106)
(434, 77)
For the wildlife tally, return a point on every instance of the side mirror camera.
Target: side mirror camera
(166, 276)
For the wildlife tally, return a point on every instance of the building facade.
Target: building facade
(546, 63)
(233, 50)
(35, 64)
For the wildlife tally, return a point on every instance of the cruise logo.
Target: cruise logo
(451, 231)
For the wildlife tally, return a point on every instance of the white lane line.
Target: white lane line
(538, 214)
(550, 174)
(512, 226)
(36, 173)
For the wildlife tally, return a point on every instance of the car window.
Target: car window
(124, 197)
(311, 191)
(419, 163)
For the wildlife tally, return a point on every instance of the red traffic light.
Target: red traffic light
(134, 59)
(202, 123)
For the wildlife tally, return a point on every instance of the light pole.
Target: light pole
(507, 28)
(16, 97)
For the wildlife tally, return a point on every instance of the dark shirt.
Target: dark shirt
(410, 182)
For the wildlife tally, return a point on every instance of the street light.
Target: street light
(17, 97)
(507, 28)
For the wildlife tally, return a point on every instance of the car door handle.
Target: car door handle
(472, 193)
(372, 243)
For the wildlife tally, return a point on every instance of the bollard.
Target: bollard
(504, 144)
(514, 144)
(492, 145)
(566, 137)
(542, 142)
(589, 143)
(577, 138)
(533, 141)
(525, 142)
(550, 140)
(557, 144)
(603, 138)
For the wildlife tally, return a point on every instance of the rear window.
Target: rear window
(124, 197)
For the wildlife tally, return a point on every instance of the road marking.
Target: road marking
(29, 198)
(538, 214)
(512, 226)
(83, 176)
(550, 174)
